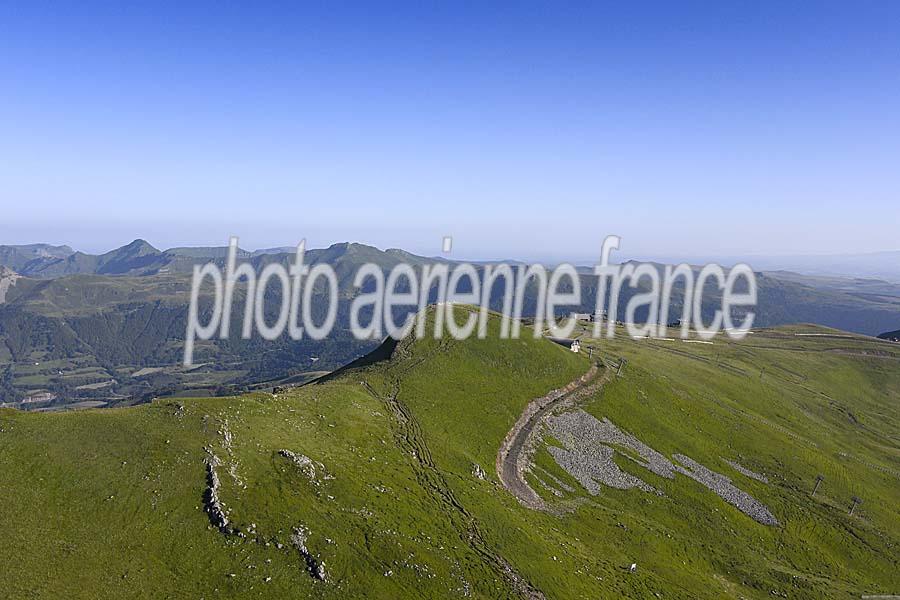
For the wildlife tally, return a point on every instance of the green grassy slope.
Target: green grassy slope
(784, 403)
(109, 503)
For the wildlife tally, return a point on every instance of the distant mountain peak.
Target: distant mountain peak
(341, 248)
(138, 247)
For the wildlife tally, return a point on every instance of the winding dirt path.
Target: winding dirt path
(515, 452)
(411, 439)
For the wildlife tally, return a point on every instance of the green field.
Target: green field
(110, 503)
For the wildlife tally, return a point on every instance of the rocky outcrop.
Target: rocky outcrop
(211, 500)
(312, 469)
(8, 279)
(314, 566)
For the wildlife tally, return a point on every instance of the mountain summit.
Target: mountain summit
(138, 247)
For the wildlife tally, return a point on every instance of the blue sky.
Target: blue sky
(524, 130)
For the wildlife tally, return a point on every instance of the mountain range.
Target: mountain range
(109, 328)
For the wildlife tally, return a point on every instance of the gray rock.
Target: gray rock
(315, 567)
(590, 445)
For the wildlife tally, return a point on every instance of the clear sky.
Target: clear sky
(524, 130)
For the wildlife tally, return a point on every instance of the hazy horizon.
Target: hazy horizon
(816, 261)
(523, 132)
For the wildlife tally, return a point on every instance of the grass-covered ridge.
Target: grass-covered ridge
(110, 503)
